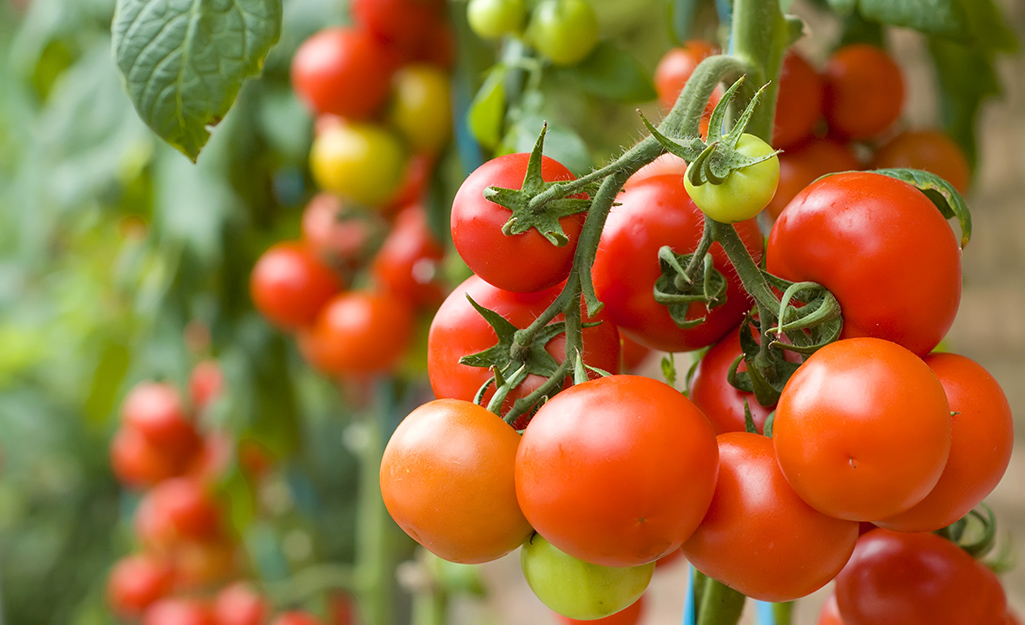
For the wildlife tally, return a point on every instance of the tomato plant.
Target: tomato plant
(289, 285)
(328, 65)
(720, 401)
(745, 192)
(563, 31)
(864, 91)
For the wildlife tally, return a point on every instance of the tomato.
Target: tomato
(408, 264)
(459, 330)
(563, 31)
(656, 212)
(239, 604)
(524, 262)
(864, 91)
(930, 150)
(633, 353)
(178, 611)
(862, 429)
(364, 163)
(414, 182)
(745, 192)
(403, 24)
(295, 617)
(447, 480)
(830, 614)
(359, 333)
(174, 510)
(493, 19)
(421, 107)
(740, 542)
(643, 462)
(439, 48)
(579, 589)
(341, 234)
(139, 462)
(342, 71)
(675, 68)
(917, 579)
(206, 382)
(882, 248)
(981, 439)
(630, 615)
(204, 562)
(665, 164)
(800, 166)
(155, 410)
(799, 102)
(136, 582)
(289, 285)
(341, 609)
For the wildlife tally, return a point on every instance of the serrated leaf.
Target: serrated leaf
(611, 73)
(184, 61)
(941, 193)
(487, 110)
(944, 18)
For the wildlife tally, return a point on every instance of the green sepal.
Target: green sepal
(767, 368)
(487, 110)
(749, 421)
(669, 369)
(721, 158)
(769, 421)
(675, 289)
(689, 149)
(941, 193)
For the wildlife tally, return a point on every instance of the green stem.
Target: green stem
(720, 604)
(760, 35)
(783, 612)
(521, 405)
(430, 607)
(313, 580)
(747, 270)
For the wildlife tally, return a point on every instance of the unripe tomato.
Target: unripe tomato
(342, 71)
(675, 68)
(864, 91)
(563, 31)
(364, 163)
(421, 107)
(930, 150)
(745, 192)
(239, 604)
(799, 103)
(178, 611)
(175, 510)
(289, 285)
(136, 582)
(155, 410)
(492, 19)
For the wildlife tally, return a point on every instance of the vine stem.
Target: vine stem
(719, 604)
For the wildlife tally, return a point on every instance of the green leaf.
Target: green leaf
(989, 28)
(611, 73)
(941, 193)
(184, 61)
(487, 110)
(681, 18)
(944, 18)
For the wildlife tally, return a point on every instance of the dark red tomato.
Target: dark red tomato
(930, 150)
(240, 604)
(206, 382)
(981, 439)
(408, 264)
(138, 462)
(630, 615)
(440, 47)
(617, 471)
(290, 285)
(525, 262)
(136, 582)
(864, 91)
(650, 214)
(175, 510)
(341, 610)
(342, 235)
(740, 541)
(675, 68)
(178, 611)
(800, 166)
(882, 248)
(721, 402)
(359, 333)
(458, 330)
(799, 103)
(295, 618)
(155, 410)
(343, 71)
(830, 614)
(897, 578)
(404, 24)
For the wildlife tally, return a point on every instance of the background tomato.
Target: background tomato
(406, 25)
(798, 102)
(343, 71)
(175, 510)
(136, 582)
(294, 617)
(493, 19)
(675, 68)
(563, 31)
(745, 192)
(137, 461)
(830, 614)
(408, 263)
(364, 163)
(178, 611)
(864, 91)
(239, 604)
(289, 285)
(421, 107)
(801, 165)
(342, 235)
(930, 150)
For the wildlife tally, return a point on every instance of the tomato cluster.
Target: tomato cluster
(563, 31)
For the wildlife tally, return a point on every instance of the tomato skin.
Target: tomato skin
(982, 437)
(630, 615)
(656, 212)
(447, 480)
(930, 150)
(178, 611)
(239, 604)
(800, 166)
(721, 402)
(289, 285)
(206, 383)
(136, 582)
(666, 164)
(740, 543)
(563, 31)
(643, 462)
(917, 579)
(799, 102)
(862, 429)
(675, 68)
(882, 248)
(421, 107)
(830, 614)
(408, 263)
(745, 192)
(494, 19)
(578, 589)
(342, 71)
(497, 258)
(342, 235)
(864, 91)
(175, 510)
(139, 462)
(295, 617)
(364, 163)
(403, 24)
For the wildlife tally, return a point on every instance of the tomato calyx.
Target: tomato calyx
(976, 533)
(944, 195)
(687, 279)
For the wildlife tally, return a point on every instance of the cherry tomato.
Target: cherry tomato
(643, 462)
(799, 103)
(630, 615)
(414, 183)
(579, 589)
(800, 166)
(364, 163)
(155, 410)
(493, 19)
(239, 604)
(408, 264)
(295, 618)
(204, 562)
(864, 91)
(830, 614)
(403, 24)
(675, 68)
(342, 235)
(175, 510)
(289, 285)
(862, 429)
(930, 150)
(917, 579)
(136, 582)
(178, 611)
(206, 382)
(656, 212)
(663, 165)
(421, 107)
(981, 439)
(745, 192)
(881, 247)
(447, 480)
(500, 259)
(139, 462)
(563, 31)
(739, 542)
(342, 71)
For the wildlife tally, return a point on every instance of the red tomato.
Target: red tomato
(667, 164)
(155, 410)
(800, 166)
(405, 24)
(524, 262)
(981, 439)
(290, 285)
(447, 480)
(408, 263)
(342, 235)
(740, 542)
(633, 353)
(799, 103)
(239, 604)
(202, 563)
(178, 611)
(862, 429)
(617, 471)
(896, 578)
(342, 71)
(882, 248)
(630, 615)
(295, 618)
(359, 333)
(653, 213)
(206, 382)
(138, 462)
(676, 67)
(864, 91)
(458, 330)
(136, 582)
(174, 510)
(415, 181)
(830, 614)
(930, 150)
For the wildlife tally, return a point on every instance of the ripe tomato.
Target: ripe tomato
(663, 165)
(882, 248)
(239, 604)
(408, 264)
(630, 615)
(799, 103)
(136, 582)
(864, 91)
(493, 19)
(364, 163)
(930, 150)
(447, 480)
(745, 192)
(740, 542)
(643, 462)
(203, 563)
(175, 510)
(139, 462)
(656, 212)
(830, 614)
(289, 285)
(295, 617)
(981, 439)
(578, 589)
(178, 611)
(342, 235)
(563, 31)
(458, 330)
(675, 68)
(342, 71)
(917, 579)
(155, 410)
(403, 24)
(800, 166)
(206, 382)
(359, 333)
(421, 107)
(862, 429)
(632, 352)
(500, 259)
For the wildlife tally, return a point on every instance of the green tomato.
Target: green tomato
(492, 19)
(745, 192)
(579, 589)
(361, 162)
(564, 31)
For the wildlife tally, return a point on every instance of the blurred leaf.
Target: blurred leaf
(609, 73)
(991, 30)
(106, 382)
(561, 143)
(944, 18)
(681, 18)
(487, 110)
